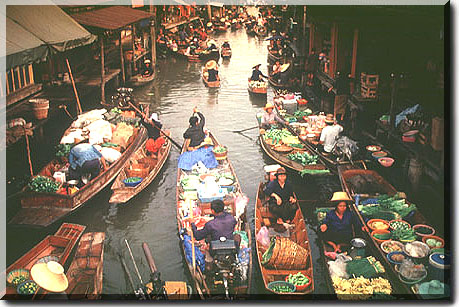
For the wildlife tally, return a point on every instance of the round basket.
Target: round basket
(380, 232)
(373, 148)
(372, 221)
(18, 276)
(133, 183)
(379, 154)
(389, 257)
(425, 238)
(282, 149)
(288, 255)
(400, 221)
(39, 107)
(28, 287)
(220, 155)
(418, 243)
(391, 242)
(301, 288)
(272, 285)
(416, 227)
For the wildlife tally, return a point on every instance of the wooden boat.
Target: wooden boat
(205, 286)
(319, 214)
(221, 28)
(58, 246)
(226, 53)
(209, 83)
(257, 90)
(298, 235)
(379, 186)
(123, 193)
(86, 270)
(42, 209)
(209, 55)
(139, 79)
(280, 155)
(274, 56)
(275, 84)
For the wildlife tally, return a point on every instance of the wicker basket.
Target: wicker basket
(288, 255)
(138, 170)
(40, 107)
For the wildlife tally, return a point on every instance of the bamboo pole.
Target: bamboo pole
(133, 62)
(28, 152)
(102, 69)
(153, 35)
(123, 74)
(354, 58)
(74, 86)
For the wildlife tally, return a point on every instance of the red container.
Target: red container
(302, 287)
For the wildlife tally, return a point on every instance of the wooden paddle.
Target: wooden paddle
(192, 240)
(239, 131)
(141, 113)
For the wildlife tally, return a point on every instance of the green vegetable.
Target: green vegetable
(43, 184)
(399, 224)
(62, 150)
(367, 267)
(304, 158)
(403, 234)
(387, 203)
(313, 172)
(382, 236)
(298, 279)
(132, 179)
(423, 230)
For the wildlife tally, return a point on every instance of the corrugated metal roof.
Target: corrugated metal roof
(111, 18)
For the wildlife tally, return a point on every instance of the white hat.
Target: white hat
(147, 61)
(154, 117)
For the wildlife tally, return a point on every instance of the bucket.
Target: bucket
(358, 248)
(40, 107)
(439, 265)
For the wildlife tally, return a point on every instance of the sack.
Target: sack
(110, 155)
(122, 134)
(263, 236)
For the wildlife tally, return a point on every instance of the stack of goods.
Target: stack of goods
(122, 97)
(384, 204)
(361, 288)
(304, 158)
(367, 267)
(284, 254)
(258, 84)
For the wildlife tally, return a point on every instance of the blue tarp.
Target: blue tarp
(402, 115)
(190, 158)
(200, 259)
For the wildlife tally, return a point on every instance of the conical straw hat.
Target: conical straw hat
(340, 196)
(284, 67)
(211, 64)
(50, 276)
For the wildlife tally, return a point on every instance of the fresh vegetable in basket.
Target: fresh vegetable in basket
(382, 236)
(281, 288)
(367, 267)
(304, 158)
(399, 225)
(298, 279)
(433, 243)
(132, 179)
(28, 287)
(43, 184)
(403, 234)
(220, 149)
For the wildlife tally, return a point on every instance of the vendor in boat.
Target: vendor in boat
(257, 74)
(269, 117)
(84, 159)
(338, 226)
(211, 45)
(211, 67)
(226, 45)
(282, 203)
(196, 130)
(276, 74)
(148, 70)
(329, 134)
(155, 140)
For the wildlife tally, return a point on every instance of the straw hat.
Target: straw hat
(154, 117)
(281, 171)
(340, 196)
(329, 118)
(211, 64)
(269, 105)
(50, 276)
(209, 24)
(211, 42)
(284, 67)
(147, 61)
(222, 19)
(258, 65)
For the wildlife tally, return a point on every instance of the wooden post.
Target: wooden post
(304, 30)
(31, 74)
(123, 73)
(153, 35)
(74, 87)
(28, 152)
(334, 50)
(354, 58)
(102, 69)
(134, 68)
(392, 100)
(209, 12)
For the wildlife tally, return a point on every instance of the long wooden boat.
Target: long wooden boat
(210, 55)
(55, 247)
(86, 270)
(281, 157)
(43, 209)
(123, 193)
(319, 211)
(226, 53)
(139, 79)
(375, 185)
(257, 90)
(209, 83)
(275, 84)
(211, 286)
(298, 234)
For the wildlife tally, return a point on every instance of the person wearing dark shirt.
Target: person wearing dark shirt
(282, 203)
(155, 140)
(256, 73)
(337, 227)
(221, 226)
(212, 71)
(311, 67)
(195, 132)
(226, 45)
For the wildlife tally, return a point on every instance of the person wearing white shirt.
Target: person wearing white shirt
(330, 134)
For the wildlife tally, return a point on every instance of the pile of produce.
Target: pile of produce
(28, 287)
(432, 243)
(303, 158)
(281, 288)
(401, 234)
(367, 267)
(258, 84)
(360, 288)
(277, 135)
(392, 246)
(397, 257)
(220, 149)
(399, 225)
(382, 236)
(301, 113)
(415, 249)
(62, 150)
(387, 203)
(43, 184)
(298, 279)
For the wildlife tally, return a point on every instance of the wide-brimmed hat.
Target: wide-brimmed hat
(281, 171)
(50, 276)
(340, 196)
(329, 118)
(154, 117)
(284, 67)
(258, 65)
(211, 64)
(209, 24)
(211, 42)
(269, 105)
(147, 61)
(222, 19)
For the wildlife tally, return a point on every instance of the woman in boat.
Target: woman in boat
(337, 227)
(212, 70)
(147, 71)
(84, 159)
(196, 130)
(269, 117)
(155, 140)
(282, 203)
(276, 71)
(257, 74)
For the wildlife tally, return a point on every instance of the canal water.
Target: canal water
(151, 216)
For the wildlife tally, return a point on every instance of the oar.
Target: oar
(192, 242)
(141, 113)
(239, 131)
(133, 261)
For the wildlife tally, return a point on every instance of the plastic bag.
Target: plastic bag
(241, 202)
(337, 268)
(263, 236)
(110, 155)
(412, 271)
(98, 131)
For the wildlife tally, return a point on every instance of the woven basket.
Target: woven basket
(138, 170)
(288, 255)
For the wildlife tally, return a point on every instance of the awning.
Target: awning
(35, 31)
(111, 18)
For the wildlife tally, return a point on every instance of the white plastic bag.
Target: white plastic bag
(337, 268)
(240, 202)
(110, 155)
(263, 237)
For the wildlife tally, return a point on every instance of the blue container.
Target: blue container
(395, 253)
(439, 267)
(132, 184)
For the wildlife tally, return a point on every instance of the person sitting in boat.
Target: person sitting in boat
(174, 46)
(196, 130)
(148, 70)
(329, 134)
(269, 117)
(84, 159)
(211, 45)
(257, 74)
(221, 226)
(226, 45)
(155, 140)
(211, 67)
(276, 74)
(282, 203)
(338, 226)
